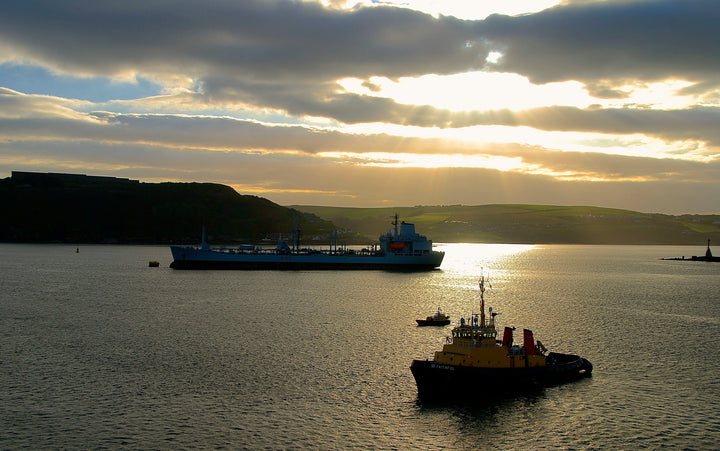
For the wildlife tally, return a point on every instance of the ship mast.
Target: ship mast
(203, 244)
(481, 283)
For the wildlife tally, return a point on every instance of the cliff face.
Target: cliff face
(82, 209)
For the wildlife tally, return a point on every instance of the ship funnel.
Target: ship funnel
(507, 337)
(528, 342)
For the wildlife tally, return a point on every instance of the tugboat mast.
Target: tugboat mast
(481, 283)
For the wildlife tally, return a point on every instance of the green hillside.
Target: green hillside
(528, 224)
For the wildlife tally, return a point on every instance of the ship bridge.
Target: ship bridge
(405, 240)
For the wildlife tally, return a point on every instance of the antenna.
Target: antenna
(481, 283)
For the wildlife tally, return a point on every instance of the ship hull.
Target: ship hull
(432, 322)
(437, 381)
(194, 258)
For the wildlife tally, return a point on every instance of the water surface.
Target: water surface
(98, 350)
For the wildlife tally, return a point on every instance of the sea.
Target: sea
(100, 351)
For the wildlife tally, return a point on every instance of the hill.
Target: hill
(73, 208)
(528, 224)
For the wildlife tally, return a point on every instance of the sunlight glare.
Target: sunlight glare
(469, 259)
(472, 91)
(484, 91)
(409, 160)
(484, 137)
(662, 95)
(494, 57)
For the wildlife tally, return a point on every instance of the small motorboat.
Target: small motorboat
(153, 264)
(438, 319)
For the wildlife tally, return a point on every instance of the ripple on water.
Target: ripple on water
(101, 352)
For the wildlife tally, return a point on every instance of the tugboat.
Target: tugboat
(473, 357)
(438, 319)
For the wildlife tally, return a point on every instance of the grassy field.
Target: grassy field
(516, 223)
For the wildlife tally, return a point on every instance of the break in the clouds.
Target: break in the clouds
(611, 103)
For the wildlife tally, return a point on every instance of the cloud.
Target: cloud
(250, 40)
(698, 123)
(302, 179)
(285, 55)
(15, 105)
(288, 55)
(249, 93)
(614, 40)
(46, 119)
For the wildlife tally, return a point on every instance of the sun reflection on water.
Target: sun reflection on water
(469, 259)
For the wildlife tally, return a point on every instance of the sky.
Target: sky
(374, 103)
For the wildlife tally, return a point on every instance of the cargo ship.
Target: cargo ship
(400, 248)
(474, 358)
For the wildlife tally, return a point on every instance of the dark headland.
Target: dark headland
(74, 208)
